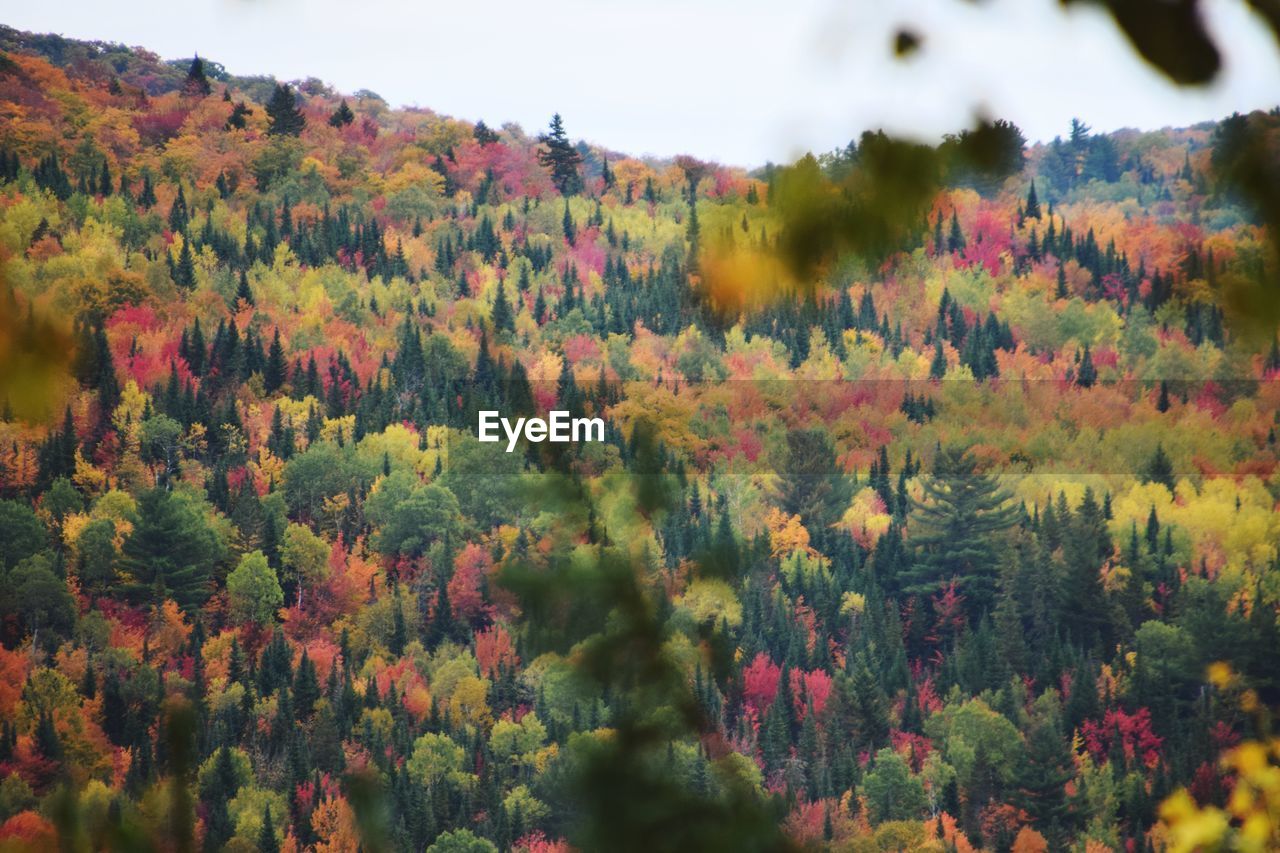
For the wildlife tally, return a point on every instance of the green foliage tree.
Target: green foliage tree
(410, 516)
(285, 118)
(253, 590)
(957, 530)
(172, 551)
(561, 158)
(21, 534)
(891, 790)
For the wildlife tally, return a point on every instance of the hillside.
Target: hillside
(937, 506)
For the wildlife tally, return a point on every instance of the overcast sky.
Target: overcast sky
(739, 81)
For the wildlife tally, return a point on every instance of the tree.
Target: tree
(1086, 373)
(484, 478)
(96, 556)
(276, 369)
(461, 841)
(561, 158)
(38, 597)
(172, 550)
(500, 316)
(196, 83)
(305, 556)
(892, 792)
(813, 483)
(253, 590)
(342, 116)
(21, 534)
(1159, 469)
(410, 516)
(1032, 209)
(483, 134)
(957, 528)
(285, 119)
(955, 240)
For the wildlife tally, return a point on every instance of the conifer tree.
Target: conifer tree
(957, 530)
(244, 293)
(282, 110)
(275, 371)
(342, 116)
(196, 83)
(483, 134)
(1032, 209)
(1086, 373)
(955, 241)
(561, 158)
(500, 316)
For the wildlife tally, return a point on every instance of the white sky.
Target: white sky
(738, 81)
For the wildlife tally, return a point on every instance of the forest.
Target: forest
(936, 508)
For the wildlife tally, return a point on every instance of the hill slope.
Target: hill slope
(926, 535)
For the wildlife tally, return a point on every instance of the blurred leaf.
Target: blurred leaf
(1169, 34)
(906, 43)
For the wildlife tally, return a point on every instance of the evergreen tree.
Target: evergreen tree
(282, 110)
(244, 293)
(275, 372)
(1159, 469)
(184, 271)
(957, 531)
(561, 158)
(483, 134)
(938, 367)
(342, 116)
(1032, 209)
(500, 316)
(196, 83)
(1086, 373)
(955, 241)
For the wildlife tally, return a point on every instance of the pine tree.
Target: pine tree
(1032, 209)
(561, 158)
(342, 116)
(1086, 373)
(483, 134)
(1159, 469)
(938, 367)
(184, 271)
(244, 293)
(500, 316)
(282, 110)
(957, 530)
(955, 241)
(267, 841)
(275, 372)
(567, 223)
(196, 84)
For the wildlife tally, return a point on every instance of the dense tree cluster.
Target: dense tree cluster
(961, 536)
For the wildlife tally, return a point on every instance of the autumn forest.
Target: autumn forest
(936, 508)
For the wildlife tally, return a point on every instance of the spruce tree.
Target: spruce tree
(561, 158)
(1159, 469)
(955, 241)
(957, 530)
(275, 372)
(244, 293)
(342, 116)
(282, 110)
(500, 316)
(1086, 374)
(196, 84)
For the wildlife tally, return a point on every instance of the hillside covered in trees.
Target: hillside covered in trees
(953, 528)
